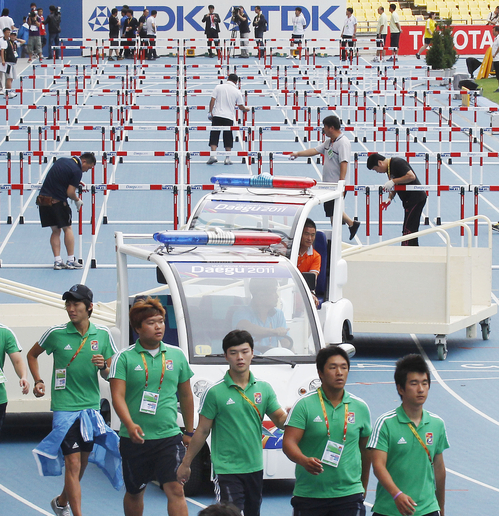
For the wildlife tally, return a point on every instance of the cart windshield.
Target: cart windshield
(267, 299)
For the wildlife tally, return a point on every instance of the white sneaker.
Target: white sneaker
(73, 264)
(495, 226)
(375, 60)
(58, 265)
(60, 511)
(211, 160)
(12, 94)
(289, 57)
(227, 161)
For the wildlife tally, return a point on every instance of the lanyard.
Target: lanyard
(345, 426)
(163, 367)
(421, 442)
(240, 391)
(388, 170)
(79, 349)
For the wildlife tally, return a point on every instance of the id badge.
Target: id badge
(3, 379)
(332, 454)
(16, 54)
(149, 402)
(60, 379)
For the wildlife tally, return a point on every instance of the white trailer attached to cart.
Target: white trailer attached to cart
(423, 290)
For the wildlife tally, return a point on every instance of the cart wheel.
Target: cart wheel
(442, 351)
(485, 331)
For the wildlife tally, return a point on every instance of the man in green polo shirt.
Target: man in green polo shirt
(407, 446)
(10, 346)
(235, 406)
(81, 351)
(326, 435)
(145, 379)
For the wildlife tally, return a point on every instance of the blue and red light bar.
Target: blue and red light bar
(264, 181)
(248, 238)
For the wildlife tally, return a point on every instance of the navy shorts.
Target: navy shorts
(73, 441)
(243, 490)
(59, 215)
(157, 459)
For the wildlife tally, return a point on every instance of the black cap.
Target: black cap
(79, 292)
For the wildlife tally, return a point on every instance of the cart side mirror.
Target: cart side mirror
(310, 279)
(160, 277)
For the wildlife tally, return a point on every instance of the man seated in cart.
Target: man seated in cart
(261, 318)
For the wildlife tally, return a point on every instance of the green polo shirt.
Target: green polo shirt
(8, 345)
(128, 365)
(82, 377)
(236, 439)
(407, 461)
(307, 415)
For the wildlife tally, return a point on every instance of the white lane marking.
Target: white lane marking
(24, 501)
(199, 504)
(447, 388)
(472, 480)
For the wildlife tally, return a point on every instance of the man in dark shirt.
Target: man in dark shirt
(53, 23)
(212, 28)
(131, 26)
(244, 31)
(401, 173)
(114, 33)
(62, 181)
(260, 25)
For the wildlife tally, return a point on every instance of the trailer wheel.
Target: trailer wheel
(442, 351)
(485, 324)
(441, 342)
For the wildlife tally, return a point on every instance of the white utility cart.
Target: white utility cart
(424, 290)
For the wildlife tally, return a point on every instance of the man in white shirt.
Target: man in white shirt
(6, 20)
(299, 23)
(3, 65)
(493, 18)
(337, 152)
(348, 33)
(395, 31)
(381, 32)
(221, 112)
(151, 34)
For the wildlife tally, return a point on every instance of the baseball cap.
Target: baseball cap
(79, 292)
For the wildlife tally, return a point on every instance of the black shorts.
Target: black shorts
(329, 208)
(244, 490)
(59, 215)
(157, 459)
(427, 41)
(297, 38)
(3, 408)
(73, 441)
(394, 39)
(352, 505)
(436, 513)
(380, 43)
(496, 68)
